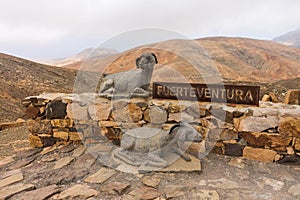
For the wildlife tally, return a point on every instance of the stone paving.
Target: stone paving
(68, 171)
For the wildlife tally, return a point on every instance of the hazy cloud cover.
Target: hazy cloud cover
(58, 28)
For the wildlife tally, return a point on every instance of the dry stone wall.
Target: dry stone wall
(270, 132)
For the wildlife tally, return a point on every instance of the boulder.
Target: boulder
(292, 97)
(39, 127)
(56, 109)
(266, 139)
(128, 114)
(99, 111)
(255, 124)
(264, 155)
(289, 126)
(156, 115)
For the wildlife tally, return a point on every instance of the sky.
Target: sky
(47, 29)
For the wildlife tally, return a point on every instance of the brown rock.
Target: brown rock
(32, 112)
(143, 193)
(35, 141)
(6, 160)
(266, 139)
(9, 191)
(79, 191)
(76, 111)
(222, 134)
(100, 111)
(175, 108)
(289, 127)
(79, 151)
(50, 157)
(41, 140)
(292, 97)
(233, 150)
(108, 124)
(266, 98)
(197, 110)
(132, 125)
(85, 161)
(11, 179)
(101, 176)
(111, 133)
(178, 117)
(39, 127)
(75, 136)
(119, 104)
(39, 194)
(99, 148)
(129, 114)
(157, 115)
(62, 123)
(56, 109)
(63, 162)
(264, 155)
(273, 97)
(194, 148)
(61, 135)
(115, 188)
(297, 144)
(173, 191)
(255, 124)
(151, 181)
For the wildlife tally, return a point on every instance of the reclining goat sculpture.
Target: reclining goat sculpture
(134, 83)
(147, 146)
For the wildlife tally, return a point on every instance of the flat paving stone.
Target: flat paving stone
(47, 150)
(151, 181)
(79, 191)
(11, 179)
(115, 188)
(79, 151)
(28, 153)
(22, 163)
(7, 160)
(143, 192)
(40, 194)
(66, 148)
(173, 191)
(9, 191)
(101, 176)
(63, 162)
(9, 173)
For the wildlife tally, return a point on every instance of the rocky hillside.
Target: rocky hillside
(20, 78)
(75, 61)
(291, 38)
(238, 59)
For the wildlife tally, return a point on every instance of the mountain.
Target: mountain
(239, 59)
(80, 57)
(20, 78)
(291, 38)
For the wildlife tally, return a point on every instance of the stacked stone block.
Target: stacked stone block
(270, 132)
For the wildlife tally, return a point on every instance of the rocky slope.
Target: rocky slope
(20, 78)
(291, 38)
(238, 59)
(74, 62)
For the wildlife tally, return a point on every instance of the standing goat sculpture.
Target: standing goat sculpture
(133, 83)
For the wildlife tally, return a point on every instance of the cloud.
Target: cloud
(69, 24)
(29, 35)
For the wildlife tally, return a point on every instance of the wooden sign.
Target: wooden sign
(235, 94)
